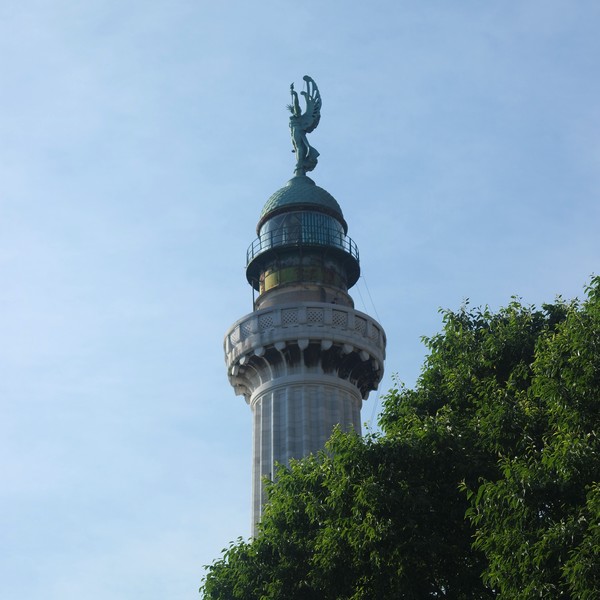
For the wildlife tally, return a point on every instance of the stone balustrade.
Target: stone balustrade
(301, 323)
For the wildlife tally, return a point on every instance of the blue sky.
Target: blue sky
(138, 144)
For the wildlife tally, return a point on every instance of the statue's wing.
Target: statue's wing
(310, 119)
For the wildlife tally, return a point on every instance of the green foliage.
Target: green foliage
(379, 517)
(482, 484)
(538, 523)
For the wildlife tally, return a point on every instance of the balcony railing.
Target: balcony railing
(302, 236)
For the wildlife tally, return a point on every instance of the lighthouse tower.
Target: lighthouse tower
(304, 359)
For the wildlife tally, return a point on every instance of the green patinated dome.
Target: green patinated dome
(300, 193)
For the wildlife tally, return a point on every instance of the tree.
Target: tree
(539, 523)
(482, 483)
(379, 517)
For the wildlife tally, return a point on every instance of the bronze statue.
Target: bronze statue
(301, 124)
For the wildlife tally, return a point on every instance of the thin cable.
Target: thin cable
(376, 403)
(361, 297)
(371, 298)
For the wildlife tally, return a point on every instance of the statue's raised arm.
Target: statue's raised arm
(303, 123)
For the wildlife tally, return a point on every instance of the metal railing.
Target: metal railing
(302, 236)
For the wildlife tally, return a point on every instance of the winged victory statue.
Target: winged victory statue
(303, 123)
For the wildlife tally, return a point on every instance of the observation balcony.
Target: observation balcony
(353, 341)
(285, 237)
